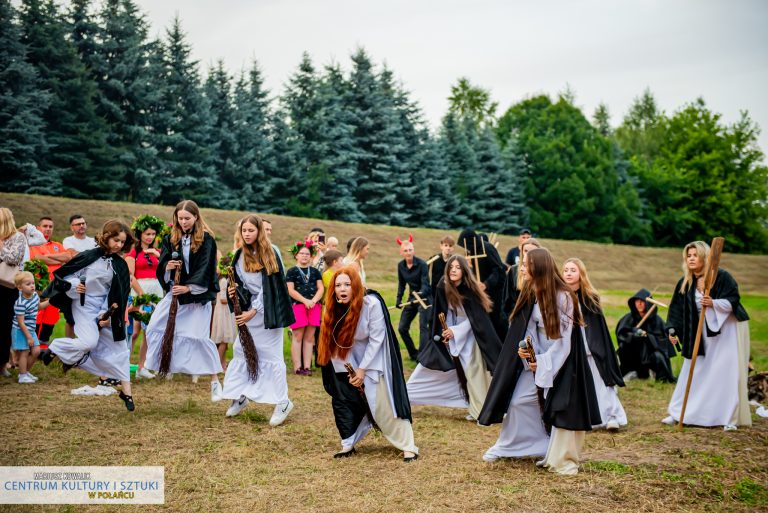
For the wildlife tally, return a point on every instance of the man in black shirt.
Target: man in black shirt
(513, 257)
(412, 271)
(437, 262)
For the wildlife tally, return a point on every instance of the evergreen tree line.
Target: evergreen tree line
(91, 107)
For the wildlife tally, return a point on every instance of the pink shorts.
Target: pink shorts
(305, 317)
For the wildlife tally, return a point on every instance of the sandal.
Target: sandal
(128, 400)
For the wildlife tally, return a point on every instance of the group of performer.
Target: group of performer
(527, 347)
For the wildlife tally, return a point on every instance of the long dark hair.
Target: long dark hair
(468, 282)
(544, 285)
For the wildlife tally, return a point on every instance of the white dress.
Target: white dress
(607, 397)
(94, 348)
(441, 388)
(371, 352)
(193, 351)
(522, 432)
(271, 386)
(717, 396)
(223, 327)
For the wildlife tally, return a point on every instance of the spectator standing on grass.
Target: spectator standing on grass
(268, 232)
(358, 250)
(305, 286)
(13, 245)
(54, 255)
(25, 341)
(78, 241)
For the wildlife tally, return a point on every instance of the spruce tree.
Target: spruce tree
(22, 128)
(79, 149)
(230, 178)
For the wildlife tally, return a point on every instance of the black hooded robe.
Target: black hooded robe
(492, 271)
(644, 353)
(349, 407)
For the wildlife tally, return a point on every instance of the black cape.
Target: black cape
(118, 291)
(202, 270)
(571, 402)
(601, 345)
(278, 312)
(437, 270)
(510, 292)
(683, 315)
(435, 355)
(348, 405)
(656, 338)
(492, 271)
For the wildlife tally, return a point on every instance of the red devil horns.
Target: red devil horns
(400, 242)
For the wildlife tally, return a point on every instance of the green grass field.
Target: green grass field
(214, 463)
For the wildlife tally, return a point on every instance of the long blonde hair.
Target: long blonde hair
(588, 291)
(702, 251)
(355, 250)
(7, 223)
(520, 277)
(198, 230)
(260, 255)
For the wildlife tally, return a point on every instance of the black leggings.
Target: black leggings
(7, 299)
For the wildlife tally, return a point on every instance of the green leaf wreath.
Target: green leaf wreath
(141, 300)
(145, 221)
(40, 271)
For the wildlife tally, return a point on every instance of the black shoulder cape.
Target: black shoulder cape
(571, 402)
(684, 317)
(202, 270)
(278, 312)
(601, 345)
(436, 356)
(348, 406)
(118, 291)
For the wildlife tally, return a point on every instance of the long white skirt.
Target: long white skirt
(522, 432)
(715, 392)
(607, 399)
(193, 351)
(271, 386)
(398, 432)
(435, 388)
(106, 357)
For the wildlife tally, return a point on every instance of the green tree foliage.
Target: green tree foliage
(22, 103)
(472, 103)
(573, 183)
(700, 177)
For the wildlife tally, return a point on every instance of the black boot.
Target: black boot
(46, 356)
(128, 400)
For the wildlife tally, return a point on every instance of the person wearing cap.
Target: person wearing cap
(513, 257)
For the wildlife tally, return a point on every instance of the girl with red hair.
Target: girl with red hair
(357, 331)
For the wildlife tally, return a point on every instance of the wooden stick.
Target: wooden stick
(647, 314)
(709, 279)
(434, 259)
(420, 300)
(406, 304)
(655, 302)
(477, 266)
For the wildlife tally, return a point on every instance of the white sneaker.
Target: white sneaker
(490, 457)
(668, 420)
(216, 391)
(32, 376)
(612, 425)
(280, 413)
(5, 373)
(629, 376)
(237, 406)
(25, 378)
(144, 373)
(730, 427)
(169, 376)
(195, 377)
(469, 417)
(541, 463)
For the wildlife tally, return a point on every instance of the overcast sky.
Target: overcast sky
(606, 51)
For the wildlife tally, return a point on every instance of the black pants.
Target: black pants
(640, 356)
(44, 332)
(407, 317)
(7, 299)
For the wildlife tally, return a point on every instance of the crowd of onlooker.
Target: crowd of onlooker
(27, 323)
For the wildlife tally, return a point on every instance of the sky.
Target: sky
(603, 51)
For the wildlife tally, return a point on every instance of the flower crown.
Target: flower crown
(309, 244)
(145, 221)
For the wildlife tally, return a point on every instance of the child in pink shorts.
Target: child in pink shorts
(305, 286)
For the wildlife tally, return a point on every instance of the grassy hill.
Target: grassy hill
(612, 267)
